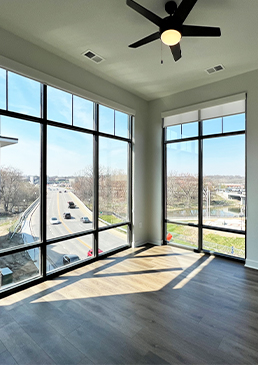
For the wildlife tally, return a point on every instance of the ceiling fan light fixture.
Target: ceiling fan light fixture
(171, 37)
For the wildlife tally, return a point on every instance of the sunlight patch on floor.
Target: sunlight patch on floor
(193, 273)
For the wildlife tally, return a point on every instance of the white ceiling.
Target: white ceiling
(67, 28)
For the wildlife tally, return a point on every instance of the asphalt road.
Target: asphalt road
(57, 204)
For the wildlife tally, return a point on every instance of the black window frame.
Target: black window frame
(43, 241)
(200, 226)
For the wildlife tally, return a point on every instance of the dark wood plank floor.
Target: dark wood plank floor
(150, 305)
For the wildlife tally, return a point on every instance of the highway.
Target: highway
(57, 204)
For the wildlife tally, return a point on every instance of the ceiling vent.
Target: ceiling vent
(93, 56)
(214, 69)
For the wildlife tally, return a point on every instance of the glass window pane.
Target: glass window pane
(20, 182)
(111, 239)
(174, 132)
(18, 267)
(2, 88)
(24, 95)
(234, 123)
(224, 242)
(121, 124)
(212, 126)
(113, 180)
(182, 181)
(70, 182)
(224, 182)
(182, 235)
(190, 130)
(82, 112)
(59, 105)
(106, 120)
(69, 252)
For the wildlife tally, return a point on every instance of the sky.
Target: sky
(221, 156)
(68, 152)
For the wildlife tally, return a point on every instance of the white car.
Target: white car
(85, 220)
(54, 220)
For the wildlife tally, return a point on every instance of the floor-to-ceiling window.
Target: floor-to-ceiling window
(204, 178)
(65, 180)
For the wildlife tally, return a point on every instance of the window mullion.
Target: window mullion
(96, 180)
(200, 187)
(43, 195)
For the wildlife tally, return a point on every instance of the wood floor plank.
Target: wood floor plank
(148, 305)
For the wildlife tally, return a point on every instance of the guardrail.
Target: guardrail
(23, 216)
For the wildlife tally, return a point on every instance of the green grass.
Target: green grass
(10, 223)
(113, 220)
(216, 239)
(174, 228)
(5, 223)
(110, 219)
(237, 242)
(183, 235)
(179, 229)
(13, 225)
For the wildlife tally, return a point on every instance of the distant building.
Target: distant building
(34, 180)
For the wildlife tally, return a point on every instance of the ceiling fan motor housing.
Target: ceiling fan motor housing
(170, 7)
(170, 23)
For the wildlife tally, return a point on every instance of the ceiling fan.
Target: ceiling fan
(171, 28)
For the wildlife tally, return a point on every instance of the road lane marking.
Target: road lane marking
(68, 229)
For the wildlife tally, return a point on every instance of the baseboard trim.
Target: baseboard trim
(138, 244)
(156, 243)
(251, 264)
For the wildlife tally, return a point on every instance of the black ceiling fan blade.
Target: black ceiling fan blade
(148, 39)
(200, 31)
(176, 51)
(184, 9)
(145, 12)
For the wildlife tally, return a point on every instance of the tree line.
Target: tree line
(16, 193)
(112, 186)
(182, 189)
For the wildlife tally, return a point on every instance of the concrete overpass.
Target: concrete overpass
(237, 196)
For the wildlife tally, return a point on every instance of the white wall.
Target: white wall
(30, 60)
(247, 82)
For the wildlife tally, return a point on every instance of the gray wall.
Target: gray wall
(30, 60)
(248, 83)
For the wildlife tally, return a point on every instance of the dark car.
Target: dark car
(71, 205)
(85, 220)
(67, 216)
(68, 259)
(90, 252)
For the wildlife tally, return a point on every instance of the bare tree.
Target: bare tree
(11, 179)
(188, 184)
(182, 189)
(83, 185)
(172, 188)
(112, 189)
(15, 191)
